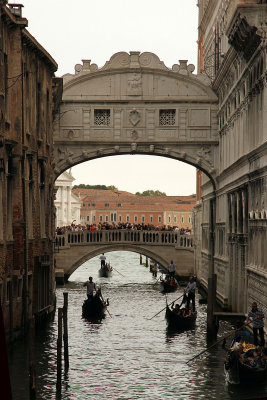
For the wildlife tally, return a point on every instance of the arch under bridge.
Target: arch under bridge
(75, 248)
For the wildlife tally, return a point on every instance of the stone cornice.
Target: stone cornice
(42, 53)
(207, 16)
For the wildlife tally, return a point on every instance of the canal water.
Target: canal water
(128, 355)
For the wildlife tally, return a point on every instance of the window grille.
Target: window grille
(106, 204)
(102, 117)
(167, 117)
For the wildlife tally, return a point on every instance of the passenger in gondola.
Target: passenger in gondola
(91, 288)
(172, 281)
(254, 357)
(176, 309)
(241, 335)
(190, 290)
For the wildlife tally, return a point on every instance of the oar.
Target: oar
(165, 307)
(157, 280)
(220, 340)
(105, 304)
(118, 272)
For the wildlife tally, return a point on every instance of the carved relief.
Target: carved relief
(134, 117)
(135, 84)
(205, 154)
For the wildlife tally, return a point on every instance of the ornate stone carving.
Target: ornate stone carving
(135, 84)
(205, 154)
(151, 148)
(134, 134)
(133, 147)
(134, 117)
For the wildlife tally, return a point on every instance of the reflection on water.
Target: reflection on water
(127, 355)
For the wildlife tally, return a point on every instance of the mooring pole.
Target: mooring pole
(146, 262)
(65, 334)
(59, 350)
(32, 371)
(141, 261)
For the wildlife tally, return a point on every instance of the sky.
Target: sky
(71, 31)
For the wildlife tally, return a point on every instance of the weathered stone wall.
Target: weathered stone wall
(26, 174)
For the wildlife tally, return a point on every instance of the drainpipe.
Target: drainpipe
(212, 279)
(25, 310)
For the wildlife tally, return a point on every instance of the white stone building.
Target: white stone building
(67, 204)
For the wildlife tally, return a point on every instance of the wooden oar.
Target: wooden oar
(105, 304)
(157, 279)
(118, 272)
(165, 307)
(220, 340)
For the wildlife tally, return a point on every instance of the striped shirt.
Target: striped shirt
(256, 322)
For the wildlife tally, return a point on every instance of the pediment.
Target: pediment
(136, 76)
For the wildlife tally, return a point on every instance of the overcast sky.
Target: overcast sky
(74, 30)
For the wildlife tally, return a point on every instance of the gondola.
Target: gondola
(237, 370)
(94, 308)
(167, 287)
(105, 271)
(179, 322)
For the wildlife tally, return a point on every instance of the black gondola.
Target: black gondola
(94, 308)
(180, 322)
(167, 287)
(105, 271)
(238, 370)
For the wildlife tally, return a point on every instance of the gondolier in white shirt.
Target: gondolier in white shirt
(90, 288)
(256, 314)
(190, 291)
(102, 260)
(172, 269)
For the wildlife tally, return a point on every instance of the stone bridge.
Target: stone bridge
(74, 248)
(134, 104)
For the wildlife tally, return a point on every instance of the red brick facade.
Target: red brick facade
(118, 206)
(27, 89)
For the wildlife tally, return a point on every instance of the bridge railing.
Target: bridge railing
(85, 237)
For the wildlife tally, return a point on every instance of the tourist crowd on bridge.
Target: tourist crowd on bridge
(121, 225)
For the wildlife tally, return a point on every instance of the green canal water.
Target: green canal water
(127, 355)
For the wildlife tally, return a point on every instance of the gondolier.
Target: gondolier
(172, 269)
(190, 290)
(102, 260)
(90, 288)
(256, 314)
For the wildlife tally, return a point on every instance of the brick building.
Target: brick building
(119, 206)
(28, 94)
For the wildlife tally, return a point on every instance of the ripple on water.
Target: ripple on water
(127, 356)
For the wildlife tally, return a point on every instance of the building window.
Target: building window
(88, 218)
(143, 218)
(93, 204)
(169, 218)
(100, 218)
(135, 218)
(120, 219)
(119, 204)
(102, 117)
(106, 204)
(94, 218)
(175, 219)
(83, 205)
(159, 218)
(151, 218)
(189, 220)
(106, 218)
(127, 218)
(88, 204)
(113, 217)
(182, 219)
(167, 117)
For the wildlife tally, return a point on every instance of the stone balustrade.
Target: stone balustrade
(80, 238)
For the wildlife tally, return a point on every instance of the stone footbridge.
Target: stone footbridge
(72, 249)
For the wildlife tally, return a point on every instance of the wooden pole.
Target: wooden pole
(32, 371)
(59, 350)
(146, 262)
(141, 261)
(65, 334)
(5, 378)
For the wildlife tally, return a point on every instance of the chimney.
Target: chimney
(16, 9)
